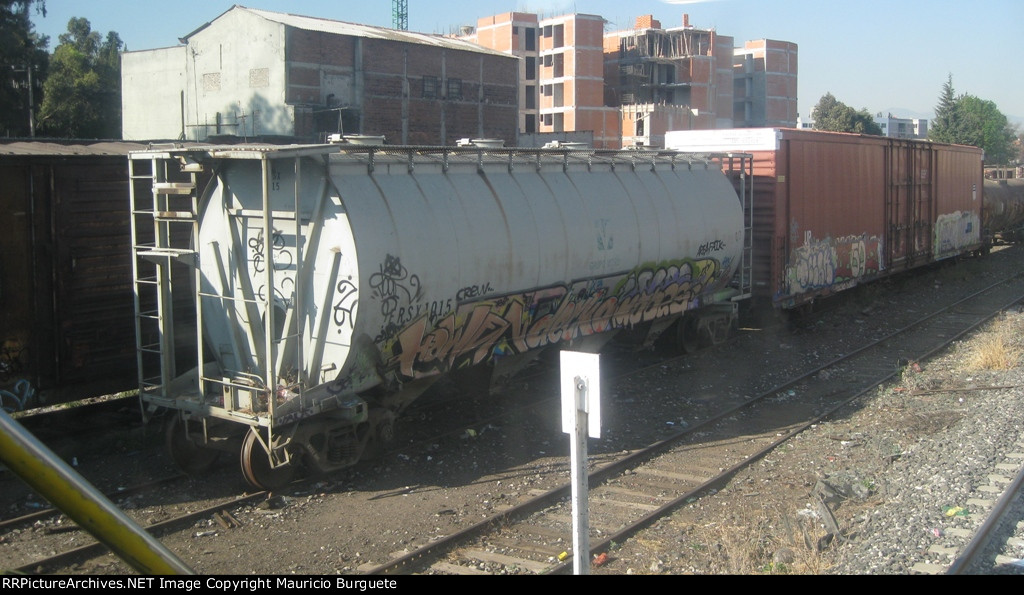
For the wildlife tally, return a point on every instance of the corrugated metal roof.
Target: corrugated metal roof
(355, 30)
(58, 148)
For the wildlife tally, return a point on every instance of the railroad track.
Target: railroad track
(998, 540)
(635, 495)
(630, 492)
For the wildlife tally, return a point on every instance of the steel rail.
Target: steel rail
(607, 470)
(986, 532)
(640, 455)
(39, 467)
(94, 549)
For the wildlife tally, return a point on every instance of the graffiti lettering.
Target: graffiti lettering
(284, 294)
(346, 304)
(472, 339)
(709, 247)
(282, 257)
(394, 286)
(813, 266)
(473, 291)
(858, 257)
(956, 231)
(832, 264)
(20, 398)
(432, 310)
(481, 330)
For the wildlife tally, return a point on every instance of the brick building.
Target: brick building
(765, 80)
(629, 87)
(253, 73)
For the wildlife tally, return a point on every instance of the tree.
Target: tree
(969, 120)
(942, 128)
(986, 127)
(82, 94)
(22, 57)
(832, 114)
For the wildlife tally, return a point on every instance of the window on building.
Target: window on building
(531, 39)
(531, 124)
(531, 97)
(454, 88)
(531, 68)
(430, 86)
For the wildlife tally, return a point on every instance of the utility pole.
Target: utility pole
(400, 14)
(31, 102)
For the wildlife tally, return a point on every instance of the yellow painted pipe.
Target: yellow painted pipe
(56, 481)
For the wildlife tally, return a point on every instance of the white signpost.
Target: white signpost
(581, 417)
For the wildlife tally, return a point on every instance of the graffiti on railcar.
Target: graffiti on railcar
(832, 264)
(21, 397)
(282, 255)
(344, 308)
(955, 232)
(812, 265)
(858, 257)
(478, 331)
(471, 292)
(394, 286)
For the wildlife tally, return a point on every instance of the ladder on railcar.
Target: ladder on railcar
(746, 269)
(164, 229)
(739, 167)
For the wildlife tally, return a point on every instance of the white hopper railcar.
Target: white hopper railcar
(324, 287)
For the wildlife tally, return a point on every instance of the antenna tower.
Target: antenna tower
(400, 14)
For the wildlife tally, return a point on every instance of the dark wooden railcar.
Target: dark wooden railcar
(65, 271)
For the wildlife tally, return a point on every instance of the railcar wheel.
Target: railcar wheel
(187, 456)
(256, 466)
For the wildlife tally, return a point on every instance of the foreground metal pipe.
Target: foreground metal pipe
(46, 473)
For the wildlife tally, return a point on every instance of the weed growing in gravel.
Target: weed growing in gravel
(999, 348)
(756, 541)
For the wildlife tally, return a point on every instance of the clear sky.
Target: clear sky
(890, 55)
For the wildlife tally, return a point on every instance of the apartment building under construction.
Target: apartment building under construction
(629, 87)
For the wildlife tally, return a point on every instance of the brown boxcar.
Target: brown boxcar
(833, 210)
